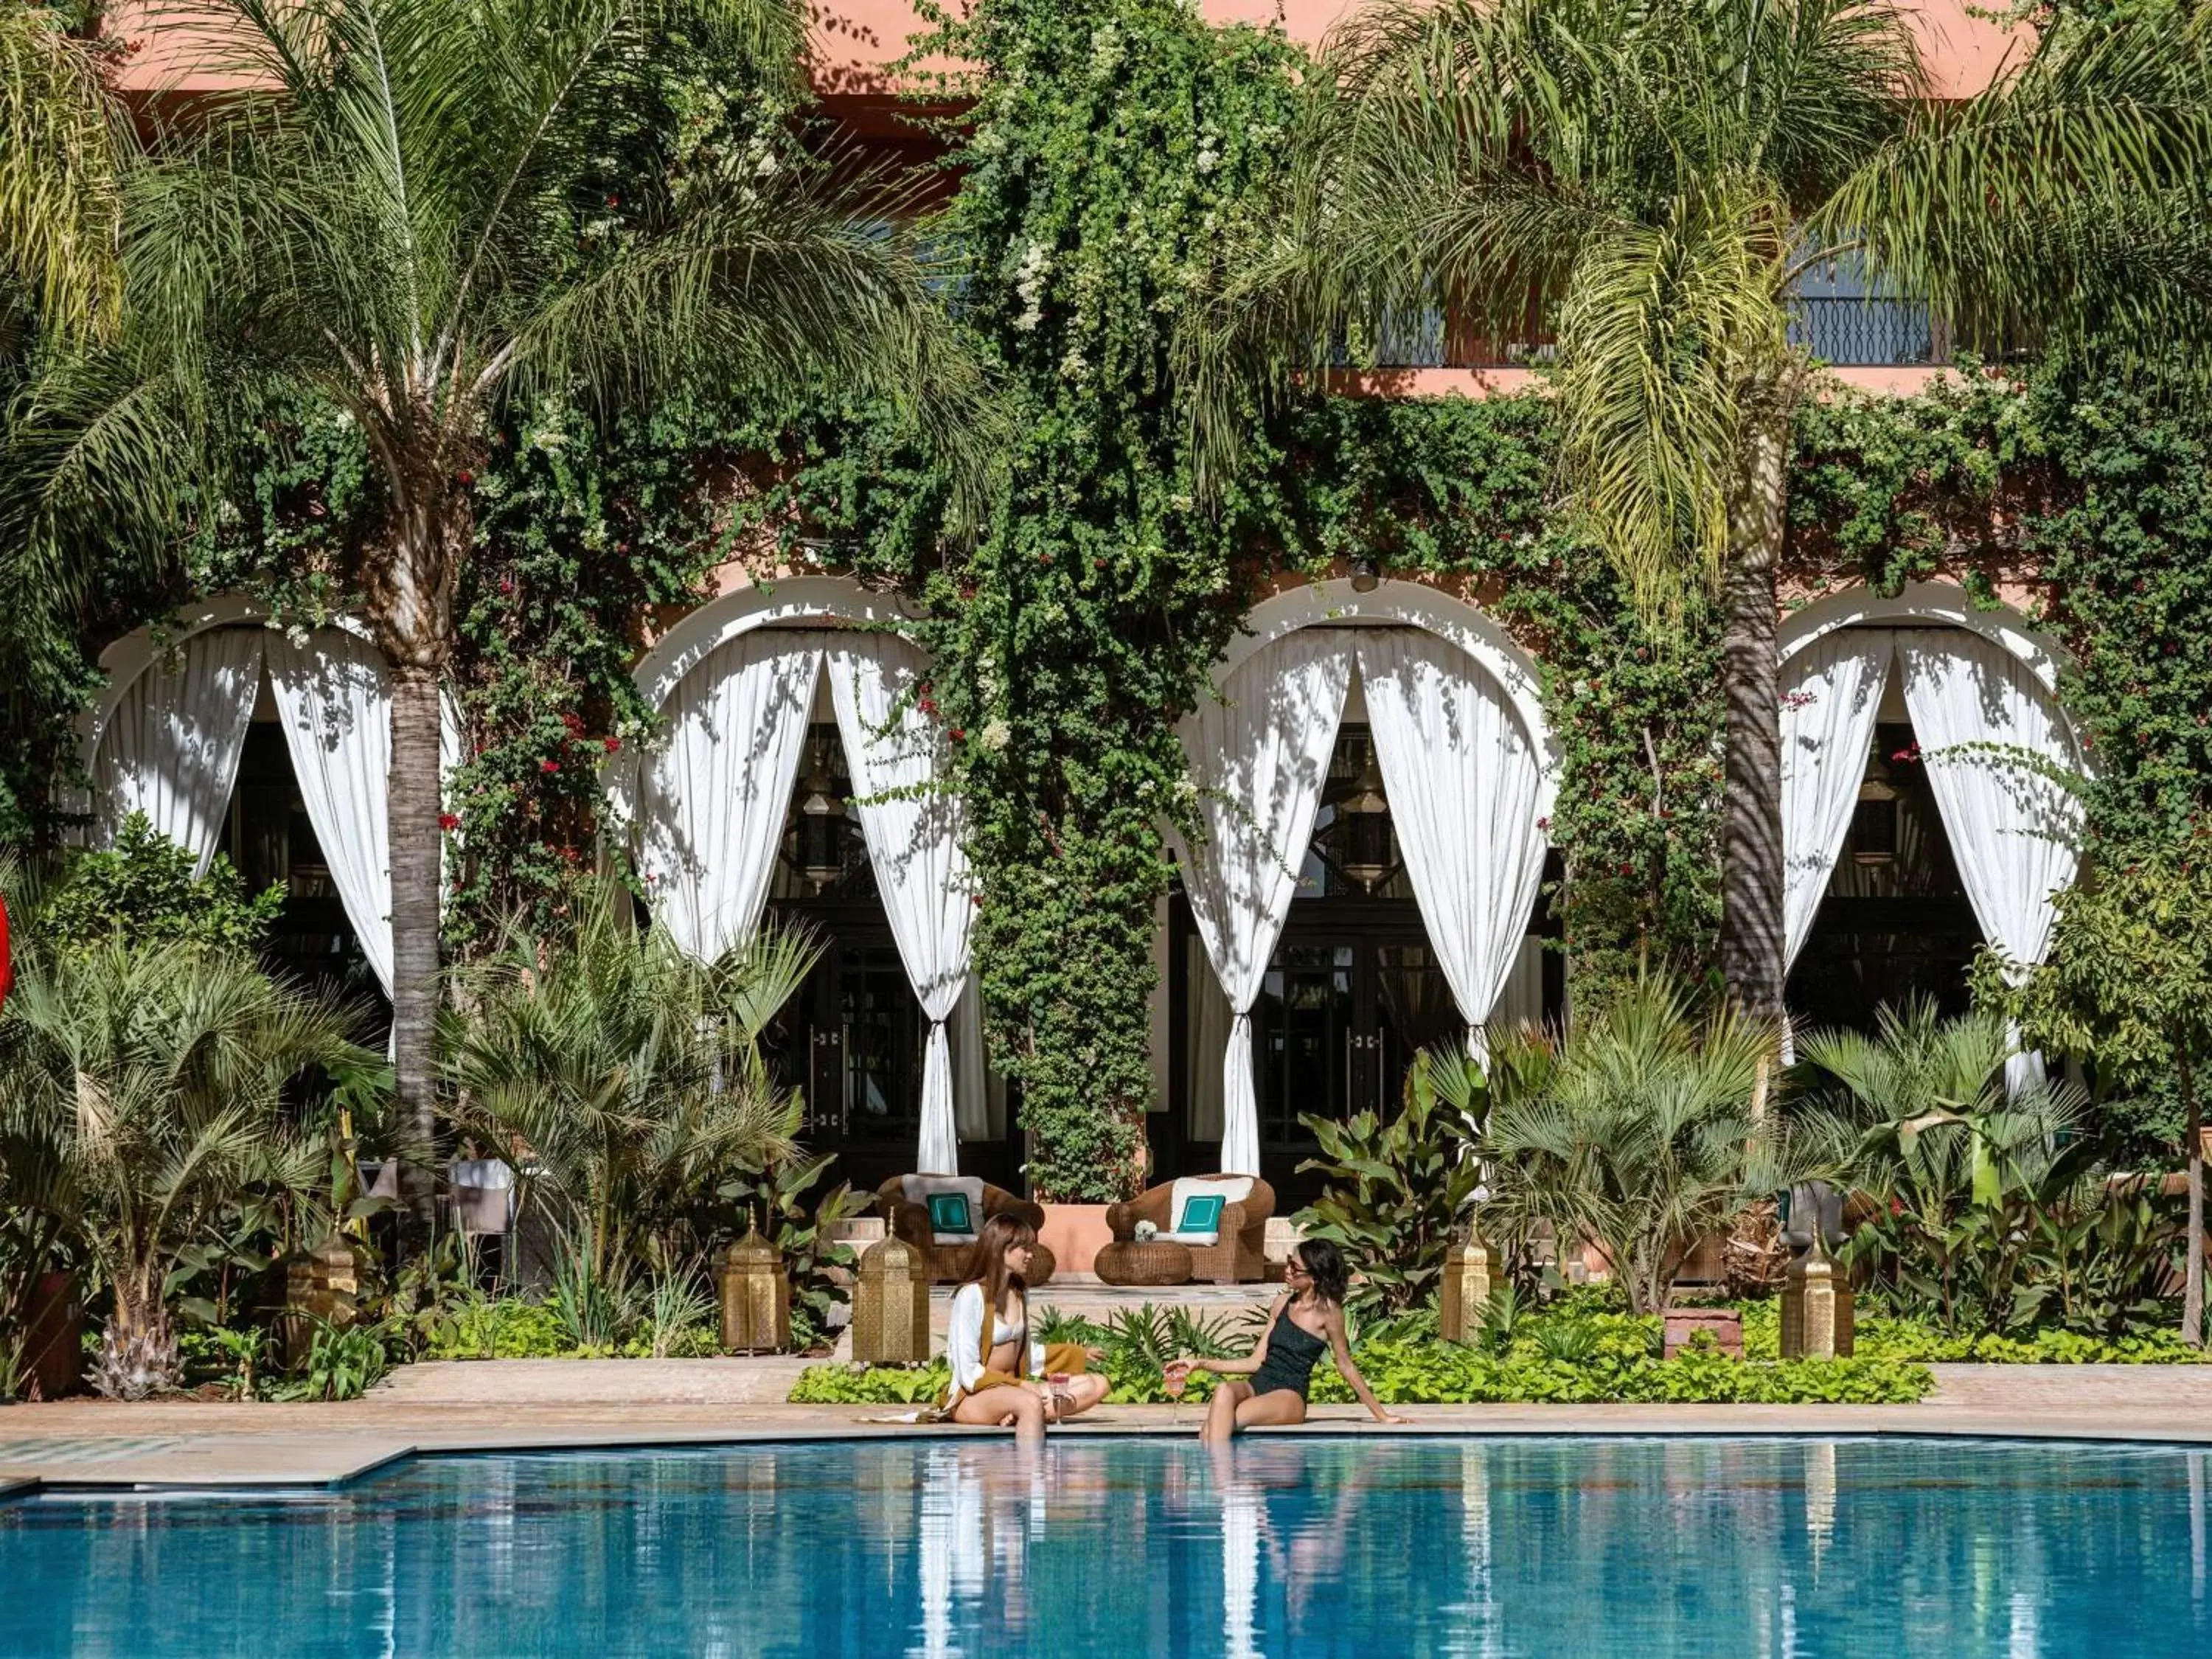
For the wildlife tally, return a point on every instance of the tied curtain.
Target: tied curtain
(712, 803)
(1995, 749)
(333, 698)
(1991, 741)
(1260, 758)
(1831, 695)
(913, 828)
(1466, 789)
(171, 746)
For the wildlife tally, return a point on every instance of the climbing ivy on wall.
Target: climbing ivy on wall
(1093, 188)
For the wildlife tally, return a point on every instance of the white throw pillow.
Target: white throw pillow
(938, 1194)
(1230, 1189)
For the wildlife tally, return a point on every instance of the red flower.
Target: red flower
(549, 766)
(613, 744)
(574, 721)
(465, 476)
(1044, 558)
(506, 584)
(1627, 869)
(614, 201)
(959, 734)
(1543, 823)
(448, 821)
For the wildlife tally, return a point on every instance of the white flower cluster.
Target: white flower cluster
(995, 735)
(1029, 283)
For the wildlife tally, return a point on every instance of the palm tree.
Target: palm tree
(141, 1095)
(1651, 183)
(626, 1077)
(392, 220)
(1638, 1131)
(60, 156)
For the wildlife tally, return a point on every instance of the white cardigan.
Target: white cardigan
(964, 1340)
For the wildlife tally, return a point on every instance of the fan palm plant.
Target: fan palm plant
(626, 1079)
(403, 214)
(1651, 185)
(1918, 1117)
(140, 1097)
(1638, 1133)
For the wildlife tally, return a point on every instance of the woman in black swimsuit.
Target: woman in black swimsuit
(1269, 1386)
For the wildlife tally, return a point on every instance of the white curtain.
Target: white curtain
(1207, 1010)
(1521, 1006)
(712, 803)
(1464, 783)
(1831, 694)
(913, 828)
(1991, 741)
(1260, 758)
(171, 747)
(333, 698)
(979, 1099)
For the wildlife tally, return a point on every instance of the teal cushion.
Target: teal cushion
(1201, 1213)
(948, 1214)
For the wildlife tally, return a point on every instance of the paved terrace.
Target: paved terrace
(564, 1404)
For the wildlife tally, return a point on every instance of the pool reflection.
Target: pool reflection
(1273, 1548)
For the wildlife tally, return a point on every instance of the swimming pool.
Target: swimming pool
(1293, 1545)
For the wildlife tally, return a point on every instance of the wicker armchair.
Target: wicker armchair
(1239, 1257)
(949, 1263)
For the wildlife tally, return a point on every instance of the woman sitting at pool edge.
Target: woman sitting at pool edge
(1002, 1378)
(1268, 1386)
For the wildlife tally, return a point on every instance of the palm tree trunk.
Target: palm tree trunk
(410, 605)
(1751, 943)
(139, 1355)
(2192, 1272)
(415, 844)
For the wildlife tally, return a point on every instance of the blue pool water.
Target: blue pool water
(1287, 1546)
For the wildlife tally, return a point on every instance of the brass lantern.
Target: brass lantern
(1360, 844)
(890, 1305)
(821, 849)
(755, 1297)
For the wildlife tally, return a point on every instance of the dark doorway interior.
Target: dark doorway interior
(1896, 922)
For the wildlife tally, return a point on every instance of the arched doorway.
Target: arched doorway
(1374, 782)
(271, 747)
(1925, 805)
(797, 783)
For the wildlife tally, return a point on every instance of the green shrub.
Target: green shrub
(507, 1328)
(1918, 1342)
(1612, 1361)
(143, 890)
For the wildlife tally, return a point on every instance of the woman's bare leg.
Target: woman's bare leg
(1277, 1408)
(996, 1408)
(1221, 1410)
(1082, 1392)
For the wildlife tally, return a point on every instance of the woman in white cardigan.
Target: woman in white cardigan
(1002, 1378)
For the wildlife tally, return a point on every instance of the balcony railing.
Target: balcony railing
(1847, 332)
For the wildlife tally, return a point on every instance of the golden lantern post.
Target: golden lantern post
(890, 1305)
(1466, 1297)
(755, 1297)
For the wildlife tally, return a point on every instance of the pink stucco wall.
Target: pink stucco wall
(857, 42)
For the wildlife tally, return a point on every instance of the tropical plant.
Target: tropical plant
(1639, 1132)
(1395, 1191)
(1652, 187)
(624, 1079)
(774, 1197)
(401, 214)
(1986, 1211)
(344, 1361)
(142, 1089)
(2129, 981)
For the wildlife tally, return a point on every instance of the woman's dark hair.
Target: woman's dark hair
(987, 1264)
(1324, 1265)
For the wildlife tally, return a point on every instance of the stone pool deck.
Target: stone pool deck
(552, 1405)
